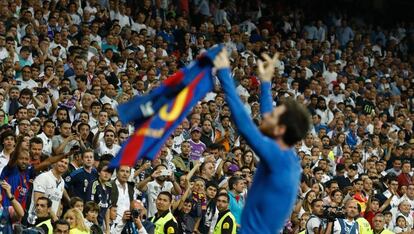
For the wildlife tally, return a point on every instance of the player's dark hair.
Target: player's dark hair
(296, 118)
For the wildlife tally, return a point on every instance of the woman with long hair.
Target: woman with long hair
(248, 160)
(76, 221)
(338, 150)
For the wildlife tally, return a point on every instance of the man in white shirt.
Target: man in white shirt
(9, 142)
(108, 146)
(125, 192)
(46, 136)
(160, 183)
(51, 185)
(26, 80)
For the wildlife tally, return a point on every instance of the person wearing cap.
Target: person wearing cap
(197, 146)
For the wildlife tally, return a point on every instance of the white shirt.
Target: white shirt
(105, 99)
(103, 149)
(153, 189)
(47, 144)
(4, 160)
(329, 76)
(30, 84)
(51, 187)
(123, 202)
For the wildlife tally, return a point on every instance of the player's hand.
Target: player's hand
(222, 60)
(266, 69)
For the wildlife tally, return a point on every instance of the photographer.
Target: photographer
(347, 224)
(314, 224)
(133, 221)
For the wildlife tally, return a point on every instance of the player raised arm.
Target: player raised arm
(244, 123)
(266, 70)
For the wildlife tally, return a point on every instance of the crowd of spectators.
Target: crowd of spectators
(66, 65)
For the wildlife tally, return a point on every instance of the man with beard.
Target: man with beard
(160, 182)
(281, 128)
(182, 161)
(207, 133)
(323, 111)
(108, 146)
(41, 188)
(225, 134)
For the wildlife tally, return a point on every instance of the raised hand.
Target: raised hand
(222, 60)
(266, 69)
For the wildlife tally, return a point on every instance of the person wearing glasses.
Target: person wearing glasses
(226, 223)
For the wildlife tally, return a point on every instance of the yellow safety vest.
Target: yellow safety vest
(386, 231)
(159, 225)
(217, 229)
(48, 224)
(364, 226)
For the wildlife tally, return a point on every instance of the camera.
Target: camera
(331, 213)
(135, 213)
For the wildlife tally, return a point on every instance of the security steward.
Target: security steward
(44, 220)
(226, 223)
(164, 220)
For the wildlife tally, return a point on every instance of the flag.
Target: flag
(156, 115)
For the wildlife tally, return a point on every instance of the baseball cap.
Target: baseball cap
(196, 129)
(233, 168)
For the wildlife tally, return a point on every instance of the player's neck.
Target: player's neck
(282, 144)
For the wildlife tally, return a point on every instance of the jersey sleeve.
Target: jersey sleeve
(39, 184)
(264, 147)
(265, 97)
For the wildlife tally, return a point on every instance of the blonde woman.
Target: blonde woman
(76, 221)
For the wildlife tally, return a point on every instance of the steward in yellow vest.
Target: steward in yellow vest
(164, 220)
(226, 223)
(45, 224)
(43, 220)
(165, 223)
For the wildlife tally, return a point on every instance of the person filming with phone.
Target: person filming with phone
(160, 180)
